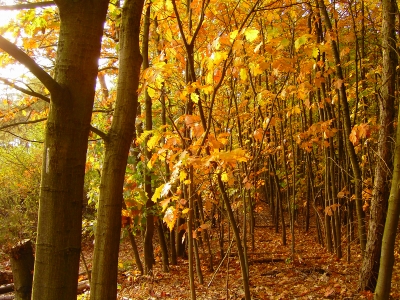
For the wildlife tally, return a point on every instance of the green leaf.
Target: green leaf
(300, 41)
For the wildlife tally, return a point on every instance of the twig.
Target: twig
(89, 275)
(220, 264)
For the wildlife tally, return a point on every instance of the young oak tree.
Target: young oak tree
(61, 193)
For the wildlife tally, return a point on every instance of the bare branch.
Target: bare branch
(178, 19)
(100, 133)
(22, 138)
(25, 91)
(28, 62)
(22, 123)
(27, 5)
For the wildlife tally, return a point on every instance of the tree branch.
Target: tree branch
(92, 128)
(27, 5)
(28, 62)
(22, 123)
(25, 91)
(178, 19)
(100, 133)
(203, 9)
(22, 138)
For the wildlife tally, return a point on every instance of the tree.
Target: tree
(61, 196)
(117, 145)
(380, 250)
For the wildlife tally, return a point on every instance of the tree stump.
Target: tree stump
(22, 262)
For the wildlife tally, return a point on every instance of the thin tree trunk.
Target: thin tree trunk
(117, 142)
(383, 285)
(239, 246)
(163, 246)
(347, 129)
(149, 233)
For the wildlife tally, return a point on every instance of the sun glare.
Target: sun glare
(7, 15)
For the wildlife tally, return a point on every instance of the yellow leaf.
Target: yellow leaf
(224, 177)
(157, 193)
(251, 34)
(208, 89)
(209, 78)
(151, 92)
(219, 56)
(170, 217)
(233, 35)
(153, 141)
(169, 6)
(257, 70)
(194, 97)
(187, 181)
(185, 211)
(143, 136)
(243, 74)
(182, 175)
(296, 110)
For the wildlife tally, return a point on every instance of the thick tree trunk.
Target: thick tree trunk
(61, 194)
(22, 262)
(119, 139)
(370, 265)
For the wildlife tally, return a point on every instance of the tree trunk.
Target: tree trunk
(149, 233)
(61, 190)
(239, 246)
(347, 129)
(383, 285)
(118, 142)
(370, 265)
(22, 262)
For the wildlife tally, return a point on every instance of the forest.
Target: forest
(199, 149)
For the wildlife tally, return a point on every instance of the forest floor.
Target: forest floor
(313, 273)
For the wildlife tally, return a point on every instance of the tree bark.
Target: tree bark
(118, 142)
(239, 246)
(379, 203)
(22, 262)
(61, 195)
(149, 233)
(383, 285)
(347, 129)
